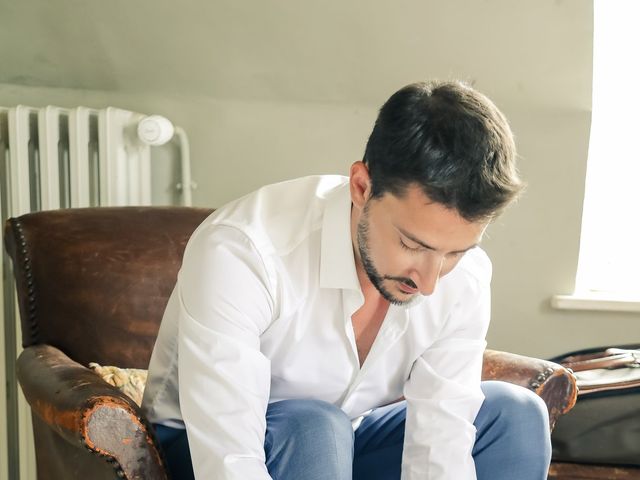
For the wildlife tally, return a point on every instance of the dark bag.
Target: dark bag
(604, 426)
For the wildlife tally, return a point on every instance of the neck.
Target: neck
(365, 283)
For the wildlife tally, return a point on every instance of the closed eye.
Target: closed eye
(451, 255)
(410, 249)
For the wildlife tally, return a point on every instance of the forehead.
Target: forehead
(431, 222)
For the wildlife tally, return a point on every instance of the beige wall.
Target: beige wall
(281, 90)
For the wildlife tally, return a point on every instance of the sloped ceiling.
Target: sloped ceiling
(301, 51)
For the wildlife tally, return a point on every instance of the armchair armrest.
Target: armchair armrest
(88, 413)
(555, 384)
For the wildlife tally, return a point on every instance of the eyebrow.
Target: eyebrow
(427, 246)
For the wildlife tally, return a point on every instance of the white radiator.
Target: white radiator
(80, 157)
(54, 158)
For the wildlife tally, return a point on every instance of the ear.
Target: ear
(359, 184)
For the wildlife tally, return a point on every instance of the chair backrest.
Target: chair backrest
(94, 282)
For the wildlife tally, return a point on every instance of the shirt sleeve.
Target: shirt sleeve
(224, 379)
(443, 396)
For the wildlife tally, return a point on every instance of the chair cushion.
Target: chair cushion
(130, 381)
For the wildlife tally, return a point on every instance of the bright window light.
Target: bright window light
(609, 262)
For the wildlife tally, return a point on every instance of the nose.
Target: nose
(429, 274)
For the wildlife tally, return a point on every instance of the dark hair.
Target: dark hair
(450, 140)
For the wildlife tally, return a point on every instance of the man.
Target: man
(333, 328)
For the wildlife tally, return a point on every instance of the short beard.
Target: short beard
(362, 238)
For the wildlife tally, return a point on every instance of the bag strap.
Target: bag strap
(609, 358)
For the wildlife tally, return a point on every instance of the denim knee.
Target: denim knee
(308, 439)
(522, 417)
(303, 416)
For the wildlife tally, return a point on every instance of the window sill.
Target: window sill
(607, 303)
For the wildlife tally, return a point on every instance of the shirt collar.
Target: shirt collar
(337, 263)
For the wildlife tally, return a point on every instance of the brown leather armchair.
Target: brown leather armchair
(92, 286)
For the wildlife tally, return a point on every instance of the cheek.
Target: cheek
(389, 258)
(381, 248)
(400, 263)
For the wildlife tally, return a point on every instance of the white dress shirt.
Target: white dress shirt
(262, 311)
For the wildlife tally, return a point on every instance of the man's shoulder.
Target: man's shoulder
(279, 215)
(286, 197)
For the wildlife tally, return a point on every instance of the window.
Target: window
(609, 261)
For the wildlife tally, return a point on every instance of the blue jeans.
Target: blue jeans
(313, 440)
